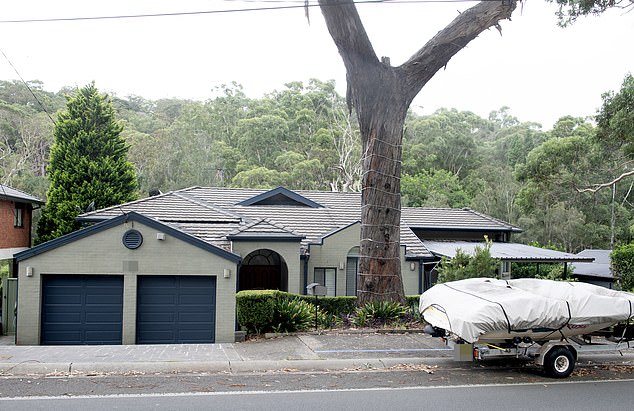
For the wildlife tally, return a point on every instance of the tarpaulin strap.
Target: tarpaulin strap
(563, 337)
(508, 322)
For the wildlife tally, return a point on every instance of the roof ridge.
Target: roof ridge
(252, 224)
(129, 203)
(203, 203)
(280, 226)
(497, 220)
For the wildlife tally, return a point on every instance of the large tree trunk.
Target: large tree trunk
(381, 95)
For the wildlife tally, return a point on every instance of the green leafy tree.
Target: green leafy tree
(259, 177)
(570, 10)
(88, 164)
(463, 265)
(446, 140)
(437, 188)
(615, 130)
(622, 258)
(493, 190)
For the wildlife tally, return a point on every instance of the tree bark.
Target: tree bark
(381, 95)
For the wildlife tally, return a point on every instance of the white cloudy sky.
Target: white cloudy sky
(537, 69)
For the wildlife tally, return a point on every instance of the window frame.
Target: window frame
(324, 270)
(18, 215)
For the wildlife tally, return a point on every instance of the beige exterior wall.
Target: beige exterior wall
(333, 253)
(104, 253)
(409, 273)
(288, 251)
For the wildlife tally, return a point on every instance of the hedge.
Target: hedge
(256, 308)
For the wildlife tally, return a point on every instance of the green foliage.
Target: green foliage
(615, 121)
(88, 165)
(337, 306)
(463, 265)
(445, 140)
(256, 309)
(4, 269)
(622, 258)
(378, 313)
(570, 10)
(436, 188)
(303, 137)
(294, 314)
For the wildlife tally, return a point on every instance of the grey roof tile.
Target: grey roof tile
(13, 194)
(212, 214)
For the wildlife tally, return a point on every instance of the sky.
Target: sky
(540, 71)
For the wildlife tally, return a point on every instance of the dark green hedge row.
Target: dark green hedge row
(256, 308)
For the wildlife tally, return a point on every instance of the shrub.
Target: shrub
(622, 261)
(413, 302)
(295, 314)
(463, 265)
(255, 309)
(379, 313)
(337, 306)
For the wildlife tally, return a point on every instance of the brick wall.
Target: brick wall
(11, 236)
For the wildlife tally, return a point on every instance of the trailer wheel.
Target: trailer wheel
(559, 362)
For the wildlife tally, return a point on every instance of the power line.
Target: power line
(28, 87)
(221, 11)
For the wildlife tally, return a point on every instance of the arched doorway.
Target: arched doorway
(263, 269)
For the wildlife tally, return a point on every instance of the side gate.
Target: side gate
(9, 300)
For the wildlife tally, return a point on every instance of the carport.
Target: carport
(505, 252)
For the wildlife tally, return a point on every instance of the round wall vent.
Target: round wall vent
(132, 239)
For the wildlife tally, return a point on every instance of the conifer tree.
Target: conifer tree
(88, 166)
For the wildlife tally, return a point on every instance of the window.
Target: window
(18, 215)
(327, 277)
(352, 267)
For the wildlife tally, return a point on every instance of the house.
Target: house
(16, 212)
(597, 272)
(165, 269)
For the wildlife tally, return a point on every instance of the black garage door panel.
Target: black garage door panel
(82, 309)
(176, 309)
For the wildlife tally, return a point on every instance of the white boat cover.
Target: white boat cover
(475, 307)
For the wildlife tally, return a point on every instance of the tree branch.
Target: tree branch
(347, 31)
(359, 57)
(598, 187)
(434, 55)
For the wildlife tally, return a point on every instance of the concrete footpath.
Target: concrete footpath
(302, 352)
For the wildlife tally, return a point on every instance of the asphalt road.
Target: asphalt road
(557, 395)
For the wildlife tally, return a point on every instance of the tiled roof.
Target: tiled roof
(9, 193)
(168, 207)
(453, 219)
(600, 267)
(503, 251)
(216, 215)
(263, 229)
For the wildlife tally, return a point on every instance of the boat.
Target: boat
(547, 321)
(492, 310)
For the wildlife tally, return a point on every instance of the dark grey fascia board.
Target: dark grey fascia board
(436, 228)
(280, 190)
(92, 220)
(547, 260)
(266, 237)
(115, 221)
(22, 200)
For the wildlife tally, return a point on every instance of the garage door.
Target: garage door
(176, 309)
(81, 309)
